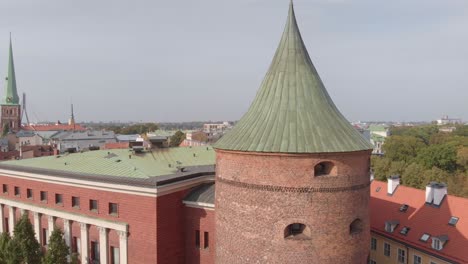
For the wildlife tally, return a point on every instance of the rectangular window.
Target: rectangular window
(95, 251)
(5, 188)
(29, 194)
(74, 245)
(373, 244)
(45, 237)
(401, 256)
(58, 199)
(115, 255)
(75, 202)
(197, 238)
(7, 227)
(417, 259)
(206, 243)
(17, 191)
(93, 205)
(113, 209)
(43, 197)
(371, 261)
(386, 250)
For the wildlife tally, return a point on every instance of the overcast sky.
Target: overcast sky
(184, 60)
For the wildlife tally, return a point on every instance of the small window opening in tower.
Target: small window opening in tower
(296, 231)
(356, 226)
(324, 168)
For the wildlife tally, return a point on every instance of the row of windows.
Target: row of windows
(401, 254)
(113, 208)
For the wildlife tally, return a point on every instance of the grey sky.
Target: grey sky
(188, 60)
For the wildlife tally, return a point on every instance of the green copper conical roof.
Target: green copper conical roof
(292, 111)
(11, 94)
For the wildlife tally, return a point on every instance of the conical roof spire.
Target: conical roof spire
(292, 111)
(11, 94)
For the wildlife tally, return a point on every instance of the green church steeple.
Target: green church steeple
(292, 111)
(10, 96)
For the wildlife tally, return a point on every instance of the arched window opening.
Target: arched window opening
(324, 168)
(356, 226)
(296, 231)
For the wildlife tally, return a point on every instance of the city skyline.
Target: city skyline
(401, 61)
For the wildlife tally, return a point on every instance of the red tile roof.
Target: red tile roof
(55, 127)
(421, 218)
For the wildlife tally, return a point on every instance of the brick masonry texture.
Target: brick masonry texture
(251, 219)
(204, 221)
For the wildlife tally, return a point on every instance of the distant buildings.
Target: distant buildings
(445, 120)
(72, 141)
(378, 134)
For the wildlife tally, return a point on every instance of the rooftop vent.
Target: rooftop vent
(393, 182)
(425, 237)
(435, 193)
(404, 208)
(404, 231)
(453, 220)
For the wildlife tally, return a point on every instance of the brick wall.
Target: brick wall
(259, 195)
(199, 220)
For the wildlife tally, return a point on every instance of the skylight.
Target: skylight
(404, 208)
(425, 237)
(453, 221)
(405, 230)
(378, 189)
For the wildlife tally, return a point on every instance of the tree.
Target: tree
(413, 176)
(402, 148)
(441, 156)
(58, 250)
(177, 138)
(25, 241)
(462, 158)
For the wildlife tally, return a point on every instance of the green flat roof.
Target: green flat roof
(292, 111)
(116, 162)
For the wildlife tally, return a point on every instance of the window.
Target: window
(401, 256)
(425, 237)
(113, 209)
(417, 259)
(45, 237)
(58, 199)
(115, 255)
(356, 226)
(29, 194)
(17, 191)
(295, 231)
(404, 231)
(324, 168)
(436, 244)
(197, 238)
(386, 250)
(43, 196)
(390, 226)
(378, 189)
(93, 205)
(5, 188)
(95, 251)
(371, 261)
(453, 221)
(75, 202)
(373, 244)
(206, 241)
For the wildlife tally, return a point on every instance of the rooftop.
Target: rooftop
(421, 219)
(119, 162)
(292, 111)
(54, 127)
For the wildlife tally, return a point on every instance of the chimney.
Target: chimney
(393, 182)
(435, 193)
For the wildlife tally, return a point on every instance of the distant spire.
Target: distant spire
(11, 94)
(71, 121)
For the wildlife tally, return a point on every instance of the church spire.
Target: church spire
(71, 121)
(292, 111)
(11, 94)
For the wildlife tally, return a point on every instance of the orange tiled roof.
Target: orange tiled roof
(421, 218)
(55, 127)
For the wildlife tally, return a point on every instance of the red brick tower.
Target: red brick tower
(292, 179)
(10, 107)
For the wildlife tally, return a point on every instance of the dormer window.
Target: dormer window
(324, 168)
(453, 221)
(404, 231)
(391, 225)
(439, 242)
(403, 208)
